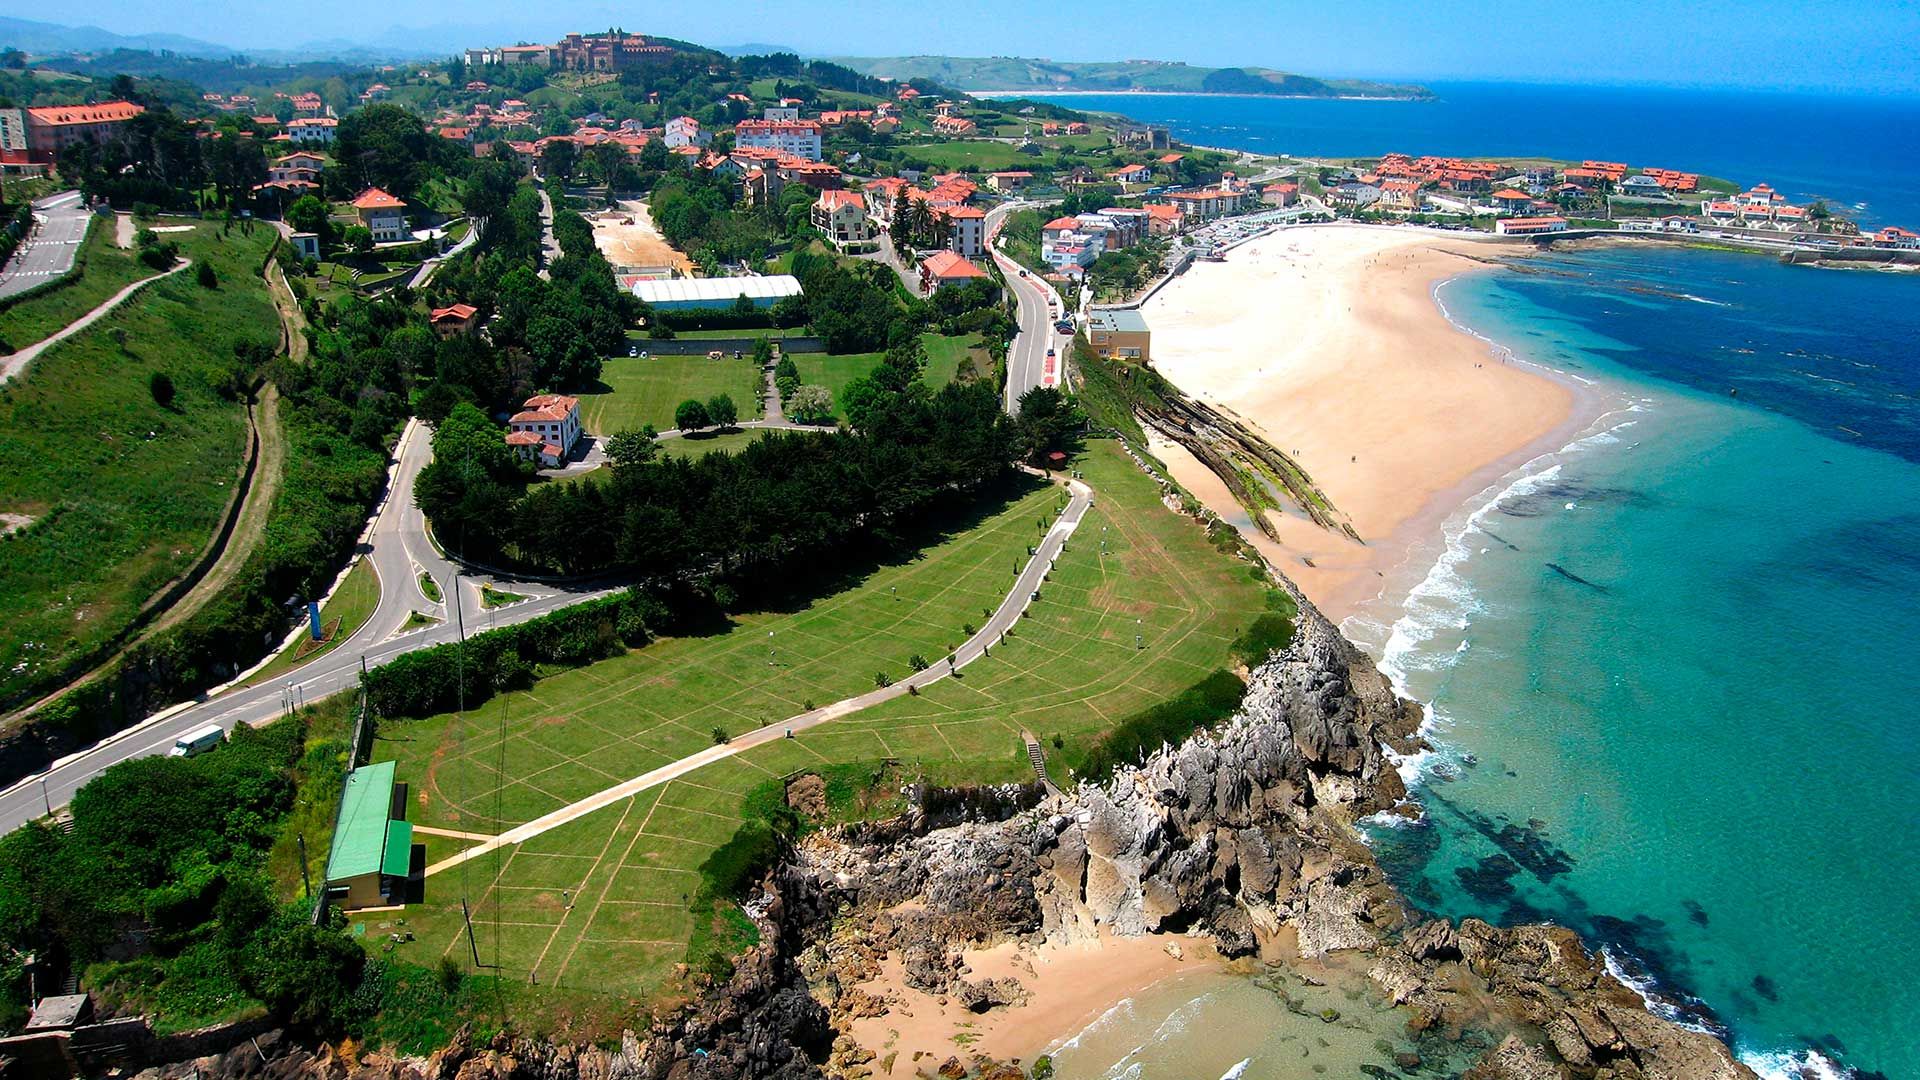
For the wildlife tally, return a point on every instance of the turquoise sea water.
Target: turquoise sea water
(1671, 668)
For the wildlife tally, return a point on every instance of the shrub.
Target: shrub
(882, 680)
(204, 275)
(720, 736)
(1207, 702)
(917, 662)
(160, 385)
(1271, 631)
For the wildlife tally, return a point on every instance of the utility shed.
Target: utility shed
(372, 853)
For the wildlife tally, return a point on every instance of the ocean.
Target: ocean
(1670, 666)
(1854, 151)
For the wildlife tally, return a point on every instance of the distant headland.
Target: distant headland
(1027, 74)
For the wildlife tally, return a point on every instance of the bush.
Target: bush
(1207, 702)
(1270, 632)
(160, 385)
(427, 681)
(204, 275)
(917, 662)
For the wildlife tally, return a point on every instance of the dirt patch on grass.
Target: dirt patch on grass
(627, 237)
(14, 522)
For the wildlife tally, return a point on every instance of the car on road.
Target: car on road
(198, 741)
(1065, 326)
(1023, 273)
(1049, 354)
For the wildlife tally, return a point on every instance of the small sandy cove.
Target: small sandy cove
(1327, 340)
(1067, 987)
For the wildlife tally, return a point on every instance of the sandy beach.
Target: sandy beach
(1327, 341)
(1067, 987)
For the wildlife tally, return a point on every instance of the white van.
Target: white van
(198, 741)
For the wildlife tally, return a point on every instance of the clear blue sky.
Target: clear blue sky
(1864, 45)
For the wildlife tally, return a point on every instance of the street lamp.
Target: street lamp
(769, 648)
(1137, 639)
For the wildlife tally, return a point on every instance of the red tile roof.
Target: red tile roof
(949, 266)
(106, 112)
(461, 312)
(375, 199)
(966, 212)
(1065, 223)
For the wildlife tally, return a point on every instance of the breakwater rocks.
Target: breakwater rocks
(1243, 837)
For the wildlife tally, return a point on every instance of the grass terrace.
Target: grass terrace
(1139, 608)
(647, 391)
(947, 358)
(100, 270)
(123, 492)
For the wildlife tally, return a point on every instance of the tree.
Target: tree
(359, 238)
(811, 404)
(557, 158)
(1048, 421)
(721, 411)
(161, 387)
(308, 214)
(386, 146)
(633, 447)
(204, 275)
(691, 415)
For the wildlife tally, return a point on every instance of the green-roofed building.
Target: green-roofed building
(372, 854)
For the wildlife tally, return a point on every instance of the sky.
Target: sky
(1853, 45)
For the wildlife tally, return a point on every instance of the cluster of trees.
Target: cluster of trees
(718, 411)
(387, 147)
(854, 308)
(161, 871)
(158, 159)
(786, 501)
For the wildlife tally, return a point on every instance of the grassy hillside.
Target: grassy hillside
(1019, 73)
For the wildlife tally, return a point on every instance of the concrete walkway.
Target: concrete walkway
(13, 365)
(1026, 588)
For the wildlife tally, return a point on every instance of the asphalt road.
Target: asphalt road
(1027, 365)
(59, 225)
(398, 546)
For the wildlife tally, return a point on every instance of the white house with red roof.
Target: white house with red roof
(944, 268)
(800, 138)
(969, 230)
(841, 216)
(545, 429)
(313, 130)
(383, 215)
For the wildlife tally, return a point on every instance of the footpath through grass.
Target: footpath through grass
(647, 391)
(100, 268)
(601, 909)
(123, 492)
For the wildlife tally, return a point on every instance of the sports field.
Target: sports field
(601, 904)
(647, 391)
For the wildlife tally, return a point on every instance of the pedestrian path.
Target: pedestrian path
(13, 365)
(1025, 590)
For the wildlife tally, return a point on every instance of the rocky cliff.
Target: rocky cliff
(1241, 836)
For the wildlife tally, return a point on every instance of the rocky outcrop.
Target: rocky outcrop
(1236, 836)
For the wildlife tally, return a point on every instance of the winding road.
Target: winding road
(397, 543)
(1027, 363)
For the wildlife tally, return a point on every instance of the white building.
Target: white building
(685, 131)
(969, 231)
(545, 429)
(782, 114)
(841, 216)
(801, 138)
(383, 215)
(313, 130)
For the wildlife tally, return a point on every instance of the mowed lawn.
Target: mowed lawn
(640, 392)
(945, 355)
(601, 905)
(124, 494)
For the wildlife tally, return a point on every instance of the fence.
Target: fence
(744, 344)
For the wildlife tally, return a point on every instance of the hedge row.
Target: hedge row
(1201, 705)
(428, 681)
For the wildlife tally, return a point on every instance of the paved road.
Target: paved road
(1027, 363)
(59, 225)
(400, 551)
(549, 245)
(427, 269)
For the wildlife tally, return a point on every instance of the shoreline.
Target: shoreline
(1401, 415)
(1196, 93)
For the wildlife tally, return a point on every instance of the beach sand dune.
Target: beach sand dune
(1328, 342)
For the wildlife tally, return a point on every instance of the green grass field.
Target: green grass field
(351, 606)
(601, 906)
(123, 492)
(647, 391)
(983, 155)
(945, 355)
(103, 270)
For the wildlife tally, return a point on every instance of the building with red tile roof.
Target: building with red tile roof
(383, 215)
(841, 216)
(1529, 226)
(453, 319)
(545, 429)
(943, 268)
(49, 129)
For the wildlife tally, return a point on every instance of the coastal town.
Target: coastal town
(609, 542)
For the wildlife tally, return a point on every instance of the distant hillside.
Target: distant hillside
(39, 37)
(1018, 73)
